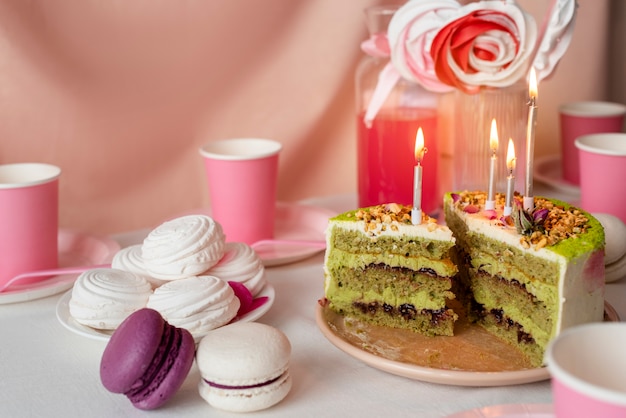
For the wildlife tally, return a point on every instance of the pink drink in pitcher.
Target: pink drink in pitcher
(386, 157)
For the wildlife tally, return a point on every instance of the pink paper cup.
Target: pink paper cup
(582, 118)
(588, 369)
(241, 175)
(29, 218)
(602, 173)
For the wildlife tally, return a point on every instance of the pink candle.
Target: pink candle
(416, 212)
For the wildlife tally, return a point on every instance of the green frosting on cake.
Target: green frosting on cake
(592, 238)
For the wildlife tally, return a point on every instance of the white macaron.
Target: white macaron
(244, 367)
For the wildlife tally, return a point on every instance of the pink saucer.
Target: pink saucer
(295, 222)
(548, 171)
(75, 249)
(536, 410)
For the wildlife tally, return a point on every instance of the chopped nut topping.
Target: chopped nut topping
(383, 217)
(394, 208)
(559, 223)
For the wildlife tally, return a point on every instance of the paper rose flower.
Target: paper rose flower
(443, 45)
(410, 34)
(488, 45)
(557, 37)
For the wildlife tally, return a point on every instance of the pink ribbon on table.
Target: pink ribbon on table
(378, 46)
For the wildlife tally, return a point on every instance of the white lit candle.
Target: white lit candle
(529, 200)
(490, 204)
(510, 179)
(416, 212)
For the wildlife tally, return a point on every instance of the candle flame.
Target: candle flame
(532, 84)
(493, 138)
(419, 145)
(510, 156)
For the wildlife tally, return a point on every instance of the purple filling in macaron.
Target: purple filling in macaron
(257, 385)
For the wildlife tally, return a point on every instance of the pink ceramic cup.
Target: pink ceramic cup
(588, 369)
(29, 212)
(242, 175)
(602, 173)
(582, 118)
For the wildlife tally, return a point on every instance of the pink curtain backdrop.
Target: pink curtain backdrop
(121, 94)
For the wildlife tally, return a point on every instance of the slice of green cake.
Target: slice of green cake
(381, 268)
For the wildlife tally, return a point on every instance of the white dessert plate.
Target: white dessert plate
(533, 410)
(548, 171)
(64, 317)
(75, 249)
(399, 352)
(294, 222)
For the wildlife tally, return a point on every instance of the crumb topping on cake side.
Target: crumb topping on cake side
(552, 223)
(388, 216)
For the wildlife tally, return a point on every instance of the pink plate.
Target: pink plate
(404, 367)
(75, 249)
(537, 410)
(548, 171)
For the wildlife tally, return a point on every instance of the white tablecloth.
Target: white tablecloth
(48, 371)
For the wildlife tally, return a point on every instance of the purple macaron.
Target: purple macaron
(147, 359)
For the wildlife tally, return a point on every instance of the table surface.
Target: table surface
(48, 371)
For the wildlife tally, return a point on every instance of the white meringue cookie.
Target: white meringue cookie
(129, 259)
(103, 298)
(183, 247)
(240, 264)
(615, 271)
(614, 236)
(198, 304)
